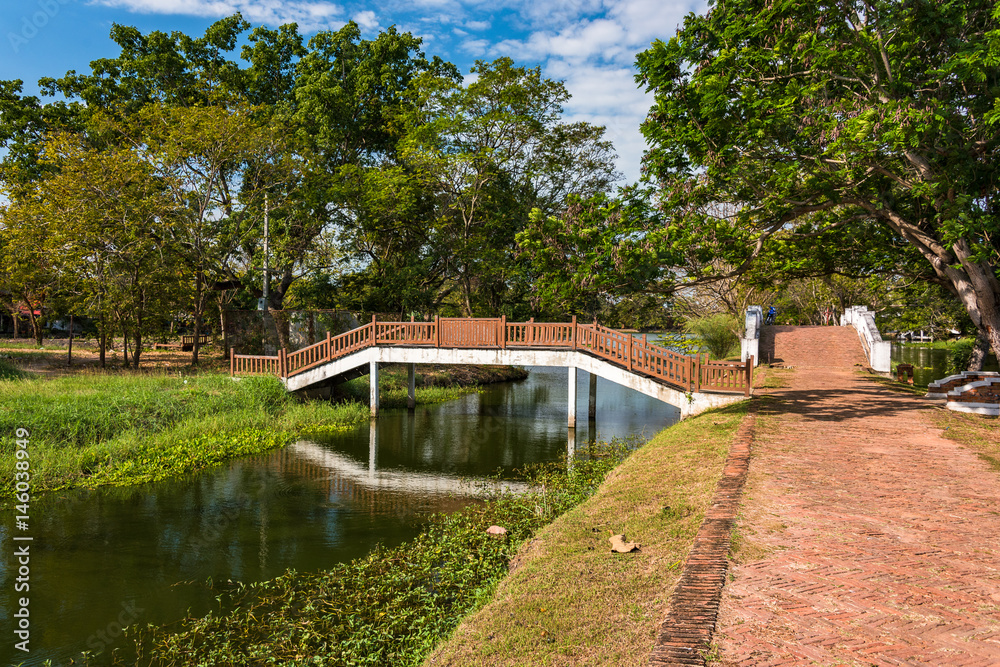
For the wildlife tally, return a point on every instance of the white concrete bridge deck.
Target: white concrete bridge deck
(690, 383)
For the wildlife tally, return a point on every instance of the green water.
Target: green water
(929, 363)
(100, 560)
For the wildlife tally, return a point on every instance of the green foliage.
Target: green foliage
(959, 355)
(594, 253)
(832, 137)
(389, 607)
(389, 183)
(718, 333)
(487, 153)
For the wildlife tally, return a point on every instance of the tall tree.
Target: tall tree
(209, 159)
(822, 121)
(491, 151)
(101, 221)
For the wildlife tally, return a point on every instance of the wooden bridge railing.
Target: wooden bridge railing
(687, 372)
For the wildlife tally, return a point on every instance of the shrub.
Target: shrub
(959, 355)
(719, 333)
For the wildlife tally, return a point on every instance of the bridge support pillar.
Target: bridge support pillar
(592, 402)
(373, 387)
(572, 396)
(570, 447)
(411, 386)
(372, 447)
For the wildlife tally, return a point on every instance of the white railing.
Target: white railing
(750, 343)
(877, 350)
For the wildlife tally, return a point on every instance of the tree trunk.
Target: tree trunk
(981, 294)
(104, 345)
(124, 347)
(979, 351)
(280, 319)
(138, 346)
(36, 325)
(199, 307)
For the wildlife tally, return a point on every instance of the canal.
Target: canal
(104, 559)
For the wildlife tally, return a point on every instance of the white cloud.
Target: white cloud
(591, 45)
(310, 15)
(367, 20)
(475, 47)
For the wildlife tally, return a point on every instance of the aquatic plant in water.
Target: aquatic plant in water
(388, 608)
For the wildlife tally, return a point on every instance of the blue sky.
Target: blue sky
(589, 44)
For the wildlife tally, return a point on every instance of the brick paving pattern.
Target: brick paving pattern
(880, 537)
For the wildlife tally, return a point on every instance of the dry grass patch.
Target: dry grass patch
(752, 519)
(772, 377)
(569, 600)
(981, 434)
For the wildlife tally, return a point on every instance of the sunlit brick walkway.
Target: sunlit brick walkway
(871, 539)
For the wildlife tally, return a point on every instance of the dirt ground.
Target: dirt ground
(54, 358)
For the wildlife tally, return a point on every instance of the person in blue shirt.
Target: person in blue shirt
(771, 312)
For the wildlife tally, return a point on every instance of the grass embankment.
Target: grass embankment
(94, 429)
(569, 600)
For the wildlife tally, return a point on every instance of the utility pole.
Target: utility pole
(267, 272)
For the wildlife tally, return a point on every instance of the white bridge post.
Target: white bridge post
(411, 386)
(373, 387)
(592, 402)
(572, 396)
(570, 447)
(372, 447)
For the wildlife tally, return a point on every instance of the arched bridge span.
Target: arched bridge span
(693, 383)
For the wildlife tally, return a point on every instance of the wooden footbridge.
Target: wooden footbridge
(693, 383)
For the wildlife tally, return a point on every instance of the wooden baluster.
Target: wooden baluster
(629, 351)
(572, 333)
(232, 362)
(503, 332)
(437, 331)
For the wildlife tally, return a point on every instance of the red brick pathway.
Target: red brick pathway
(881, 538)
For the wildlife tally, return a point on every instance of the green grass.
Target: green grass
(31, 345)
(569, 600)
(9, 371)
(91, 430)
(939, 344)
(978, 433)
(388, 608)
